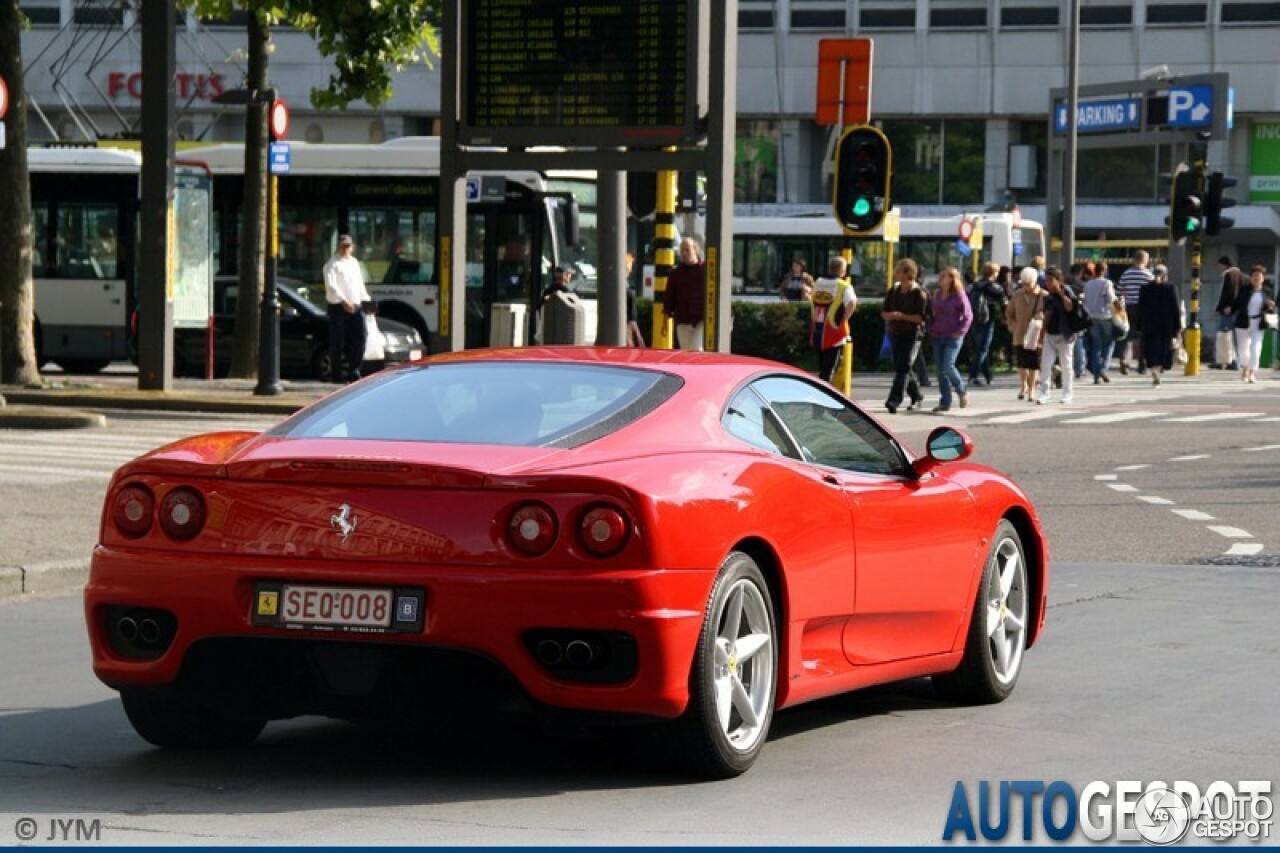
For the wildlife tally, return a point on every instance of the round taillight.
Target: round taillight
(603, 531)
(182, 513)
(131, 510)
(532, 529)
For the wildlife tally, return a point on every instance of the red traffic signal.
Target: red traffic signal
(864, 161)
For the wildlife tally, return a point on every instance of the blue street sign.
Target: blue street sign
(963, 248)
(473, 189)
(1190, 106)
(1231, 108)
(280, 158)
(1101, 116)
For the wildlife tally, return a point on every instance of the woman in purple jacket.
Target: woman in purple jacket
(952, 317)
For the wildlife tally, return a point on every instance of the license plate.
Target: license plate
(335, 606)
(339, 608)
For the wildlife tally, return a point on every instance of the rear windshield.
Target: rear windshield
(514, 403)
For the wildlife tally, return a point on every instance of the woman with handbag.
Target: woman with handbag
(1252, 305)
(1024, 316)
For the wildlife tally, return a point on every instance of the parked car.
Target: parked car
(622, 535)
(304, 336)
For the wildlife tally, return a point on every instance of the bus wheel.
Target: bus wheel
(82, 365)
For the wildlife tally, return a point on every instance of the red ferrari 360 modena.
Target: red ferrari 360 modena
(689, 539)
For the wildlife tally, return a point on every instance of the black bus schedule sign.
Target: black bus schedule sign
(548, 72)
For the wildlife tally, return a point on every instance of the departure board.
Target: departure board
(550, 72)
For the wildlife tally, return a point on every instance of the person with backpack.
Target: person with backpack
(986, 302)
(1064, 318)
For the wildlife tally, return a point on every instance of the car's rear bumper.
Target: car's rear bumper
(486, 611)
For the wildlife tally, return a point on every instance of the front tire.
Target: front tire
(997, 635)
(174, 724)
(733, 682)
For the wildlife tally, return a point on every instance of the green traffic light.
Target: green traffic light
(1192, 225)
(862, 207)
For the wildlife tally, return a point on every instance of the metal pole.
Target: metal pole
(269, 316)
(1191, 340)
(664, 243)
(611, 285)
(1069, 167)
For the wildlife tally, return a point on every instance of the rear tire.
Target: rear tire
(733, 682)
(174, 724)
(997, 637)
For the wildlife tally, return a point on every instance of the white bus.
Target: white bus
(764, 247)
(85, 206)
(386, 196)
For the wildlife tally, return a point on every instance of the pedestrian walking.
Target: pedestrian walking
(1253, 304)
(833, 304)
(986, 303)
(346, 294)
(1160, 318)
(1024, 316)
(1059, 339)
(1225, 354)
(951, 318)
(904, 311)
(1128, 288)
(1102, 302)
(686, 294)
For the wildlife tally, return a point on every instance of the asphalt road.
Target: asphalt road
(1159, 662)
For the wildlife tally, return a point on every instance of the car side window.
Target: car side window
(748, 418)
(829, 430)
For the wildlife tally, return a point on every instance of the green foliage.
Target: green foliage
(367, 40)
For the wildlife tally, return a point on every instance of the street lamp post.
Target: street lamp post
(269, 312)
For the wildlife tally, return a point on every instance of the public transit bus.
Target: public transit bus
(386, 197)
(85, 204)
(764, 247)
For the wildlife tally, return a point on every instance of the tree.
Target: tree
(17, 291)
(366, 41)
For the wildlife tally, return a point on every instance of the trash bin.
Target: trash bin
(564, 320)
(507, 326)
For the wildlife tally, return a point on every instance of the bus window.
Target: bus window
(86, 239)
(399, 244)
(39, 234)
(308, 237)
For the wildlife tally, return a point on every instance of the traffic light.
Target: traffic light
(1186, 207)
(864, 163)
(1215, 202)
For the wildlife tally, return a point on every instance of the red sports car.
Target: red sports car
(689, 539)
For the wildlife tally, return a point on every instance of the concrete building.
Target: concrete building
(961, 88)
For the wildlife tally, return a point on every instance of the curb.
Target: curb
(43, 417)
(165, 401)
(52, 577)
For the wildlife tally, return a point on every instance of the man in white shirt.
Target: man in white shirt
(345, 292)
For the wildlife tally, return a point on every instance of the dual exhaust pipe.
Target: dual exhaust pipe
(576, 653)
(144, 631)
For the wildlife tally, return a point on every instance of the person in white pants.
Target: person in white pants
(1059, 341)
(1252, 304)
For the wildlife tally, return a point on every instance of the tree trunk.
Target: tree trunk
(244, 355)
(17, 291)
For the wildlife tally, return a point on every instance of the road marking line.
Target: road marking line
(63, 473)
(1152, 499)
(1244, 549)
(1116, 417)
(1191, 458)
(1038, 414)
(1230, 532)
(1122, 487)
(1216, 416)
(1105, 477)
(1133, 467)
(1262, 448)
(1194, 515)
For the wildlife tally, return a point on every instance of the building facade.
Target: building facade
(960, 87)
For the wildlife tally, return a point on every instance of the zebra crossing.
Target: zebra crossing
(51, 457)
(1174, 403)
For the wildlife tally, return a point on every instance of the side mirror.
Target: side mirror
(945, 444)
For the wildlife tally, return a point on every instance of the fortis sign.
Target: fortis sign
(202, 87)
